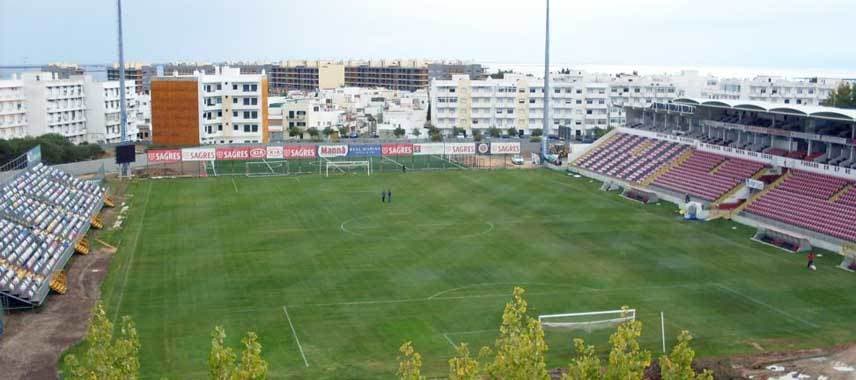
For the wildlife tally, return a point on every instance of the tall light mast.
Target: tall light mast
(123, 110)
(547, 121)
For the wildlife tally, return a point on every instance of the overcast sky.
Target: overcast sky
(757, 33)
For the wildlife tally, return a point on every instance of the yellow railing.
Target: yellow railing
(840, 193)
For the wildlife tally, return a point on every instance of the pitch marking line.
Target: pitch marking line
(450, 341)
(293, 332)
(133, 253)
(235, 185)
(768, 306)
(503, 295)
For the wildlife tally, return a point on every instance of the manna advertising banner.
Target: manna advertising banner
(233, 153)
(505, 148)
(397, 149)
(460, 149)
(298, 151)
(164, 156)
(328, 151)
(364, 150)
(274, 153)
(429, 149)
(198, 154)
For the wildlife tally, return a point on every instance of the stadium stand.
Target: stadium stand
(815, 202)
(629, 157)
(708, 176)
(44, 215)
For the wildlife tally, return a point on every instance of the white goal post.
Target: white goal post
(587, 321)
(341, 165)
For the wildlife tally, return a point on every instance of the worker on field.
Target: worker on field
(389, 195)
(810, 258)
(382, 196)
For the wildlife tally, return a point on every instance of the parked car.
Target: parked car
(517, 160)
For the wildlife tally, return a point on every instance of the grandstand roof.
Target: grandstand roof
(789, 109)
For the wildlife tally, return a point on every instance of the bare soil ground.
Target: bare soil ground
(35, 339)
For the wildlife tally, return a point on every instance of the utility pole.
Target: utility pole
(123, 110)
(546, 129)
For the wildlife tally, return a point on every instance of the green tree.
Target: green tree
(409, 363)
(520, 348)
(493, 132)
(343, 131)
(537, 132)
(294, 132)
(627, 360)
(416, 132)
(327, 131)
(843, 97)
(586, 365)
(678, 364)
(462, 366)
(221, 359)
(477, 135)
(398, 132)
(107, 356)
(313, 132)
(457, 131)
(435, 135)
(511, 132)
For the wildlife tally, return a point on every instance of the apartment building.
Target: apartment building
(398, 74)
(140, 74)
(516, 101)
(55, 105)
(806, 92)
(103, 111)
(226, 107)
(63, 70)
(13, 109)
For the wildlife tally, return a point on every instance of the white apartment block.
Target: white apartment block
(13, 109)
(103, 111)
(806, 92)
(234, 107)
(55, 105)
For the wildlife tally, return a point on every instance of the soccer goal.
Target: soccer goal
(266, 168)
(587, 321)
(348, 167)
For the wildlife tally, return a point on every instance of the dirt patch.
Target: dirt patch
(35, 339)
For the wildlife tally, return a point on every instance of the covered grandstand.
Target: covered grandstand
(44, 216)
(783, 166)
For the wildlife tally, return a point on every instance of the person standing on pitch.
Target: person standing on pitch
(810, 258)
(389, 195)
(382, 196)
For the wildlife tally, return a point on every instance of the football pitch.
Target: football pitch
(333, 280)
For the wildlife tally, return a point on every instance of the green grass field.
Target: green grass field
(358, 277)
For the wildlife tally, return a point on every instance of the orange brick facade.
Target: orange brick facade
(175, 112)
(265, 112)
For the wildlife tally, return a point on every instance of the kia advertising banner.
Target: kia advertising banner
(397, 149)
(482, 148)
(198, 154)
(233, 153)
(460, 149)
(360, 150)
(298, 151)
(505, 148)
(328, 151)
(164, 156)
(428, 149)
(274, 153)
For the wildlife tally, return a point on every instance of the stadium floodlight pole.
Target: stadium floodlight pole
(546, 132)
(123, 111)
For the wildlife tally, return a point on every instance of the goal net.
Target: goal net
(266, 168)
(348, 167)
(587, 321)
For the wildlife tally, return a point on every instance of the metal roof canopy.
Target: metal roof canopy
(818, 112)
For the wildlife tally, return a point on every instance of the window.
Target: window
(254, 101)
(531, 101)
(255, 128)
(254, 88)
(557, 91)
(291, 114)
(246, 114)
(234, 113)
(246, 101)
(234, 100)
(246, 88)
(531, 90)
(452, 90)
(255, 114)
(234, 87)
(247, 128)
(219, 113)
(235, 127)
(219, 86)
(220, 127)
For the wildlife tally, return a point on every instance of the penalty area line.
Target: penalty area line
(296, 339)
(768, 306)
(235, 185)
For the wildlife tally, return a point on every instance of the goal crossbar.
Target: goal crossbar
(587, 320)
(347, 164)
